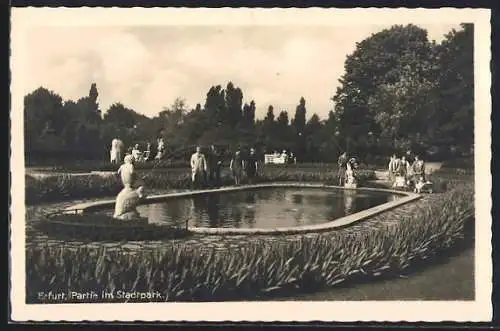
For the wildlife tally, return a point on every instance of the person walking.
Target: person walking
(214, 166)
(198, 168)
(236, 167)
(251, 166)
(342, 163)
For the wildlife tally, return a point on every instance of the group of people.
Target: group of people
(208, 168)
(402, 173)
(347, 168)
(287, 157)
(117, 151)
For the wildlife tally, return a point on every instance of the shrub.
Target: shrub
(170, 164)
(460, 163)
(182, 273)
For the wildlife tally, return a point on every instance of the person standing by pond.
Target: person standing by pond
(214, 166)
(160, 149)
(236, 167)
(390, 168)
(342, 163)
(251, 166)
(404, 167)
(418, 169)
(198, 168)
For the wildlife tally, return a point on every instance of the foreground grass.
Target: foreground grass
(181, 273)
(427, 283)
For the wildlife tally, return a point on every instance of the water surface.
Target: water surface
(263, 207)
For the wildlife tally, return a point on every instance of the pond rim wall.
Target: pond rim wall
(328, 226)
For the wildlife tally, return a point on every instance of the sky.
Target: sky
(147, 67)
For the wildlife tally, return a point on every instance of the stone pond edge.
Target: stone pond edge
(328, 226)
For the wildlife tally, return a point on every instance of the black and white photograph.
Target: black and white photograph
(240, 164)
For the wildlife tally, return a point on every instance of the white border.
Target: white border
(431, 311)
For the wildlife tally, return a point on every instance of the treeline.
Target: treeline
(399, 91)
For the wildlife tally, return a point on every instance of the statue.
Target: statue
(132, 193)
(161, 149)
(126, 203)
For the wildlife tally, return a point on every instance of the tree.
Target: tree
(283, 132)
(42, 110)
(401, 110)
(375, 68)
(454, 117)
(215, 105)
(249, 114)
(234, 101)
(94, 113)
(121, 116)
(172, 118)
(299, 120)
(299, 123)
(313, 134)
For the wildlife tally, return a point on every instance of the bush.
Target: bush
(460, 163)
(89, 166)
(264, 268)
(64, 187)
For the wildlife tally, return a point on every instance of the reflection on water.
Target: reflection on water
(349, 197)
(264, 208)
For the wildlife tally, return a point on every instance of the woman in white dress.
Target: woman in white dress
(114, 151)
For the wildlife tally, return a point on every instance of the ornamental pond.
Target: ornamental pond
(270, 207)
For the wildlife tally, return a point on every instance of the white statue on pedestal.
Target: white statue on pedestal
(132, 193)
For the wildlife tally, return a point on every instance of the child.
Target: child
(423, 186)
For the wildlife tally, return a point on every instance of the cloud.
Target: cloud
(148, 68)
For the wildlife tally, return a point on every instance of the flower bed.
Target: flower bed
(64, 187)
(183, 273)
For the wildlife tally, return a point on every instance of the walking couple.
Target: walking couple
(250, 166)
